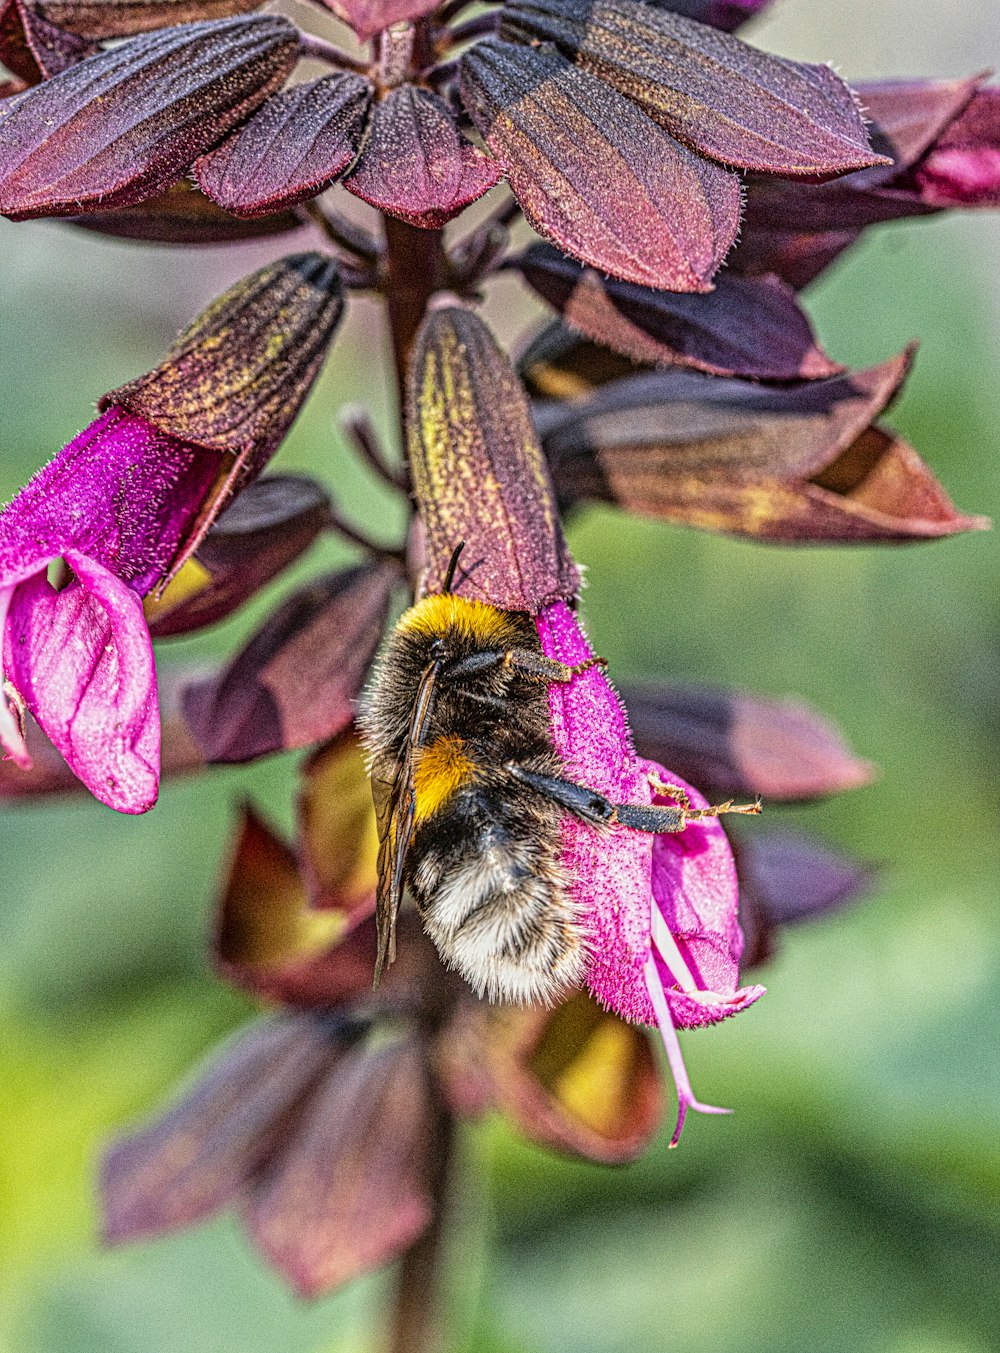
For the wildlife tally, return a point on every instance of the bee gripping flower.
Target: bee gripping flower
(660, 912)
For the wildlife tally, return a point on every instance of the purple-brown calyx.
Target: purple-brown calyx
(115, 505)
(660, 912)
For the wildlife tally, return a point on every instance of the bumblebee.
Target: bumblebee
(469, 794)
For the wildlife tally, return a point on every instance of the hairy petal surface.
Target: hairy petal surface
(116, 505)
(296, 145)
(124, 124)
(416, 164)
(729, 101)
(594, 175)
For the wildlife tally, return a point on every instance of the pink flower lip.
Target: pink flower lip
(115, 504)
(660, 911)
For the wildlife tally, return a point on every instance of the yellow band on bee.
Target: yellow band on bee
(484, 624)
(444, 767)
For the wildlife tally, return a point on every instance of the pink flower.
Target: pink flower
(660, 911)
(115, 506)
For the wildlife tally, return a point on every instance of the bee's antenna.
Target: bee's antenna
(449, 577)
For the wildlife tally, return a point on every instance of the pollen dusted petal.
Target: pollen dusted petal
(416, 164)
(594, 174)
(728, 100)
(610, 870)
(296, 145)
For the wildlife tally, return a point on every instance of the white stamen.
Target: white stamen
(676, 963)
(670, 953)
(685, 1095)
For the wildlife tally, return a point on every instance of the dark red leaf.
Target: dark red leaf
(297, 679)
(205, 1149)
(269, 525)
(370, 17)
(416, 164)
(735, 745)
(795, 465)
(350, 1191)
(745, 327)
(183, 215)
(291, 149)
(962, 168)
(594, 175)
(31, 47)
(798, 229)
(271, 942)
(478, 472)
(121, 125)
(730, 101)
(123, 18)
(785, 879)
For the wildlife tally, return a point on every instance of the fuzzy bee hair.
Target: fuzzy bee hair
(459, 704)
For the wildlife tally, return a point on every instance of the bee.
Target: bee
(470, 792)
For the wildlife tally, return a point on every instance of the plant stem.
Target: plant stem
(416, 1326)
(413, 271)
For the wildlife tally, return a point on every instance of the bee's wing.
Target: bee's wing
(395, 807)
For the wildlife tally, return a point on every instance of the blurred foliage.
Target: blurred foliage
(853, 1202)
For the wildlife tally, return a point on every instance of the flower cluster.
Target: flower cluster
(634, 138)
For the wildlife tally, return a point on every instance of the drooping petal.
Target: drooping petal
(695, 893)
(750, 327)
(728, 100)
(293, 147)
(595, 175)
(82, 661)
(116, 505)
(207, 1146)
(416, 164)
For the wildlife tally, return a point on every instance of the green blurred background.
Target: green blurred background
(853, 1201)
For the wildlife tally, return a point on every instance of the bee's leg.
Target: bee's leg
(533, 666)
(536, 667)
(593, 807)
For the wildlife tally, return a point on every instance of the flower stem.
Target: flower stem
(416, 1325)
(413, 270)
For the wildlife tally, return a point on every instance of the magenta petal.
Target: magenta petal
(695, 890)
(609, 871)
(82, 660)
